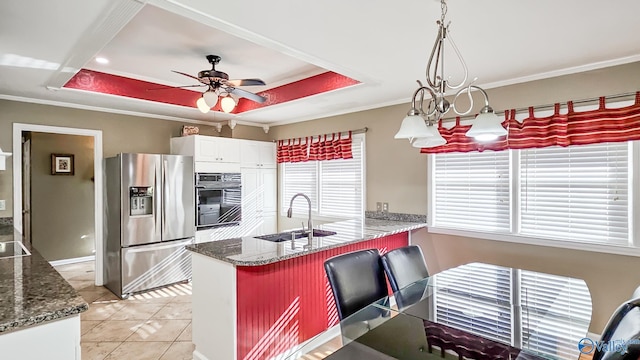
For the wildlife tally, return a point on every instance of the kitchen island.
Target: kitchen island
(255, 299)
(39, 310)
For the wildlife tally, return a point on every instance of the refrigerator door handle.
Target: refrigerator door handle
(164, 194)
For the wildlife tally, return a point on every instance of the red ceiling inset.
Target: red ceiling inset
(95, 81)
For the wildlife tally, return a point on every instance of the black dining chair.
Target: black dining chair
(623, 327)
(356, 279)
(404, 266)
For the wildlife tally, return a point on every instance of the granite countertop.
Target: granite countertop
(33, 292)
(251, 251)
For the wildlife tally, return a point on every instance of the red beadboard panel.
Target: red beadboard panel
(283, 304)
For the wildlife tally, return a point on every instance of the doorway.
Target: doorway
(21, 224)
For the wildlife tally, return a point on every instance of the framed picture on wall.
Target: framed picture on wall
(62, 164)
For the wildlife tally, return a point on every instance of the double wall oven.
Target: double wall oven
(218, 199)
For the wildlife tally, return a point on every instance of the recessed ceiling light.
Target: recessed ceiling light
(101, 60)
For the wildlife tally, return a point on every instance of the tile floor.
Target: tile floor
(155, 325)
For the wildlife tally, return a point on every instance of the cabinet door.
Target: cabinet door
(229, 150)
(250, 153)
(206, 149)
(267, 154)
(250, 193)
(269, 223)
(269, 185)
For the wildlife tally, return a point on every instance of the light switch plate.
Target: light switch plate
(378, 206)
(385, 207)
(3, 205)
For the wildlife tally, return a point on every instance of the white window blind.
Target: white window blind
(577, 193)
(472, 190)
(300, 178)
(555, 312)
(335, 187)
(341, 184)
(476, 298)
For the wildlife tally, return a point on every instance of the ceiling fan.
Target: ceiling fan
(219, 86)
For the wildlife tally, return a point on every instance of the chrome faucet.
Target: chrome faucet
(310, 222)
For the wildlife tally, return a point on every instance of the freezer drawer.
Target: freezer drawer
(150, 266)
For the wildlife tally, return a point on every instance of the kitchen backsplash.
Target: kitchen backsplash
(6, 221)
(395, 216)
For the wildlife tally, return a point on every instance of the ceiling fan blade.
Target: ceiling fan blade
(246, 94)
(245, 82)
(176, 87)
(185, 74)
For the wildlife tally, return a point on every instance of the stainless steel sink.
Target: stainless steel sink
(284, 236)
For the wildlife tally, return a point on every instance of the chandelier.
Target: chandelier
(420, 124)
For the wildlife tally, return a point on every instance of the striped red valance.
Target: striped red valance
(573, 128)
(312, 148)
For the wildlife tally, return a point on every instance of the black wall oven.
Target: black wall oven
(218, 199)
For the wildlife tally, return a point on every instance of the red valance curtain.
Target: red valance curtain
(312, 148)
(573, 128)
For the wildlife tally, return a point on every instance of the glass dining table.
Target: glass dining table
(474, 311)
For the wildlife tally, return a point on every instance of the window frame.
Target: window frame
(316, 213)
(513, 236)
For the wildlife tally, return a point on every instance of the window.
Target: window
(478, 298)
(335, 187)
(576, 193)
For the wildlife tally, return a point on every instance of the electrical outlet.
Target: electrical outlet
(3, 205)
(378, 206)
(385, 207)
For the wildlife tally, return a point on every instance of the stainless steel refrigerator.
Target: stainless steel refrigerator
(150, 219)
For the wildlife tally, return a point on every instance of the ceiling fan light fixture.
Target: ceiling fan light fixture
(227, 103)
(210, 98)
(202, 105)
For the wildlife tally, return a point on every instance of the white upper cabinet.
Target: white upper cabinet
(259, 154)
(207, 148)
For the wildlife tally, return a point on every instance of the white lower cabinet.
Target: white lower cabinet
(51, 340)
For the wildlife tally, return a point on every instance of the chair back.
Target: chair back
(404, 266)
(356, 279)
(622, 328)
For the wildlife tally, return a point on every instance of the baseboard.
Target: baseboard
(198, 356)
(72, 261)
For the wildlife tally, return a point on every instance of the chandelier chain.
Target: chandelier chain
(443, 9)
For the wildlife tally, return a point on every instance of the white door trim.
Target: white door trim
(18, 128)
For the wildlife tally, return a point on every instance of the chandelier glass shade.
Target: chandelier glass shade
(486, 126)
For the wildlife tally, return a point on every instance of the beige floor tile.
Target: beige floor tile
(108, 297)
(81, 266)
(151, 297)
(159, 330)
(175, 311)
(117, 330)
(86, 325)
(101, 311)
(90, 296)
(87, 276)
(139, 351)
(186, 334)
(82, 284)
(97, 350)
(136, 311)
(179, 351)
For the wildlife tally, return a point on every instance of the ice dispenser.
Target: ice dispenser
(140, 200)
